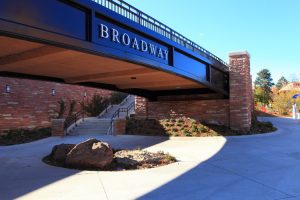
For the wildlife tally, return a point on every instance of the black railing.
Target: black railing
(122, 110)
(73, 119)
(134, 14)
(117, 114)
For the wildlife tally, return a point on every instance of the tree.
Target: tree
(281, 82)
(62, 108)
(283, 102)
(263, 81)
(94, 106)
(117, 97)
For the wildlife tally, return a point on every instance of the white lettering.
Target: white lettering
(160, 53)
(115, 35)
(144, 46)
(166, 52)
(104, 31)
(152, 49)
(135, 44)
(126, 39)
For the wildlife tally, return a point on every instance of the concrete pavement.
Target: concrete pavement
(248, 167)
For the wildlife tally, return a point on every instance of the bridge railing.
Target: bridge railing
(149, 22)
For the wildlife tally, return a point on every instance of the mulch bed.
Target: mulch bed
(187, 127)
(20, 136)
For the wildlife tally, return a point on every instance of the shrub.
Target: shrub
(72, 107)
(174, 129)
(282, 102)
(95, 106)
(180, 121)
(187, 133)
(62, 108)
(117, 97)
(19, 136)
(202, 128)
(194, 128)
(170, 158)
(179, 124)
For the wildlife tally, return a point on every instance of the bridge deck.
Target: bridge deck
(88, 43)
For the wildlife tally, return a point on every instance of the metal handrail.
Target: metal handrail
(134, 14)
(73, 119)
(117, 115)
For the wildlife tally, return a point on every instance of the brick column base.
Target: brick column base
(141, 107)
(58, 127)
(119, 127)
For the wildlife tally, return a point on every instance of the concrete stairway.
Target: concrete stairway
(100, 125)
(92, 125)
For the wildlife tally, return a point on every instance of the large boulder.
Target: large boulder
(59, 152)
(90, 154)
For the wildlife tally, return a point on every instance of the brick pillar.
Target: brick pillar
(141, 107)
(119, 127)
(240, 86)
(58, 127)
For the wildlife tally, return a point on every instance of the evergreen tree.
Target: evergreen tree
(263, 82)
(281, 82)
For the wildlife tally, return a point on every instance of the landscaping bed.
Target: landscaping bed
(187, 127)
(20, 136)
(99, 156)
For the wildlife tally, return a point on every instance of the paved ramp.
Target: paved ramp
(252, 167)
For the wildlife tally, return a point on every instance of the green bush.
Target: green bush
(62, 108)
(174, 129)
(117, 97)
(19, 136)
(72, 107)
(194, 128)
(187, 133)
(95, 106)
(202, 128)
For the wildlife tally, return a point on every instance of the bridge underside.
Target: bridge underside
(26, 59)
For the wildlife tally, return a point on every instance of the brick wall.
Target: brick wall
(31, 104)
(210, 111)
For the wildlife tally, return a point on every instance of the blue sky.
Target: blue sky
(268, 29)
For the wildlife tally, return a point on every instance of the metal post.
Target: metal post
(295, 111)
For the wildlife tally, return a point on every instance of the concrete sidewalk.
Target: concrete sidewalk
(251, 167)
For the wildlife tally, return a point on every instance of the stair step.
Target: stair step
(91, 129)
(94, 125)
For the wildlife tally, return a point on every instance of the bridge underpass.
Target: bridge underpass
(20, 58)
(111, 45)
